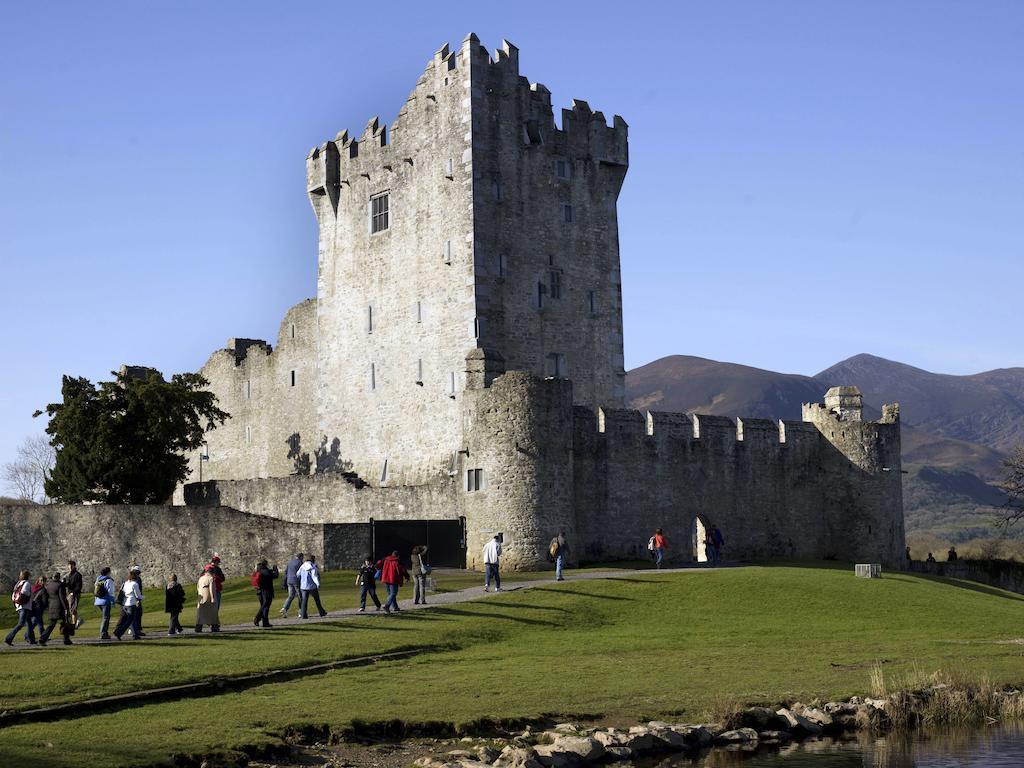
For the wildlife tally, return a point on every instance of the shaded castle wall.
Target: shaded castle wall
(162, 540)
(546, 286)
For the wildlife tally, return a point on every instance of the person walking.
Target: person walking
(393, 574)
(73, 584)
(218, 576)
(206, 610)
(57, 611)
(104, 595)
(660, 545)
(131, 599)
(366, 580)
(309, 586)
(174, 604)
(717, 542)
(264, 578)
(420, 570)
(951, 555)
(39, 604)
(290, 583)
(558, 551)
(492, 561)
(137, 632)
(21, 596)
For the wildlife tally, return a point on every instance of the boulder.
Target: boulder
(487, 754)
(567, 728)
(585, 748)
(824, 719)
(551, 756)
(760, 718)
(668, 738)
(774, 737)
(695, 736)
(737, 736)
(640, 739)
(619, 753)
(798, 724)
(610, 738)
(517, 757)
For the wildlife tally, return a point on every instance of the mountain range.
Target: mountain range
(957, 430)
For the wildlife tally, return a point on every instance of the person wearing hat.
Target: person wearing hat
(264, 582)
(206, 610)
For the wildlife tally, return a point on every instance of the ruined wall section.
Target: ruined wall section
(519, 435)
(269, 393)
(396, 307)
(862, 482)
(548, 289)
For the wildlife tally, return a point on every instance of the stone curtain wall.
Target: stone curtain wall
(161, 539)
(1003, 574)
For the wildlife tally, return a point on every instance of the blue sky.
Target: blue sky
(808, 180)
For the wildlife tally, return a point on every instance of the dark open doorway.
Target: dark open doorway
(445, 540)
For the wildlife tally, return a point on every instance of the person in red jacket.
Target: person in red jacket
(393, 574)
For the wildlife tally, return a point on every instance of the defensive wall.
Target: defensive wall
(534, 464)
(162, 540)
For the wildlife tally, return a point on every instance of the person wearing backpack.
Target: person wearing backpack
(393, 574)
(21, 596)
(558, 551)
(174, 603)
(366, 580)
(263, 581)
(420, 571)
(660, 545)
(39, 603)
(103, 598)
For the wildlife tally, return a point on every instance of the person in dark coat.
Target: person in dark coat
(57, 611)
(174, 603)
(265, 576)
(290, 583)
(40, 601)
(73, 584)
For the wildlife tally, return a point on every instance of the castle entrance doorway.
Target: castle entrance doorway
(445, 540)
(699, 537)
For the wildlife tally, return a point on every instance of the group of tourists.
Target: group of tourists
(46, 604)
(713, 542)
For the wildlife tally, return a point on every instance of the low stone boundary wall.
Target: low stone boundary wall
(1004, 574)
(162, 540)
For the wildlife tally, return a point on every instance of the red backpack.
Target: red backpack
(255, 579)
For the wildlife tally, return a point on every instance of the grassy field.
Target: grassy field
(650, 645)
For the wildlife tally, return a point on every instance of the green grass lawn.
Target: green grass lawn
(671, 645)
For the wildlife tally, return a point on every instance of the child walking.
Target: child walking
(367, 582)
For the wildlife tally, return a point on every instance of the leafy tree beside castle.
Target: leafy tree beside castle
(125, 441)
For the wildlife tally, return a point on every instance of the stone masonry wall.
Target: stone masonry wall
(161, 539)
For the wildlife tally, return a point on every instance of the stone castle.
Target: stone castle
(460, 372)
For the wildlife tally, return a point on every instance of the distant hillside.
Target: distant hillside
(984, 408)
(946, 488)
(686, 383)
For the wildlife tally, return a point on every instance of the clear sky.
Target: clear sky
(808, 180)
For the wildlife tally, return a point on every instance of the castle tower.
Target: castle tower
(474, 224)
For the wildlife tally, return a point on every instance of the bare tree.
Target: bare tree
(26, 474)
(1013, 486)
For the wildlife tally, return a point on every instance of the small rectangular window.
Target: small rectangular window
(496, 190)
(369, 319)
(419, 312)
(502, 265)
(449, 164)
(592, 300)
(541, 290)
(567, 214)
(373, 376)
(248, 389)
(248, 434)
(476, 327)
(379, 213)
(556, 365)
(531, 132)
(419, 371)
(384, 472)
(474, 479)
(451, 384)
(556, 284)
(293, 330)
(447, 251)
(293, 378)
(563, 169)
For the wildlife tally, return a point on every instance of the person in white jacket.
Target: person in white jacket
(492, 558)
(309, 585)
